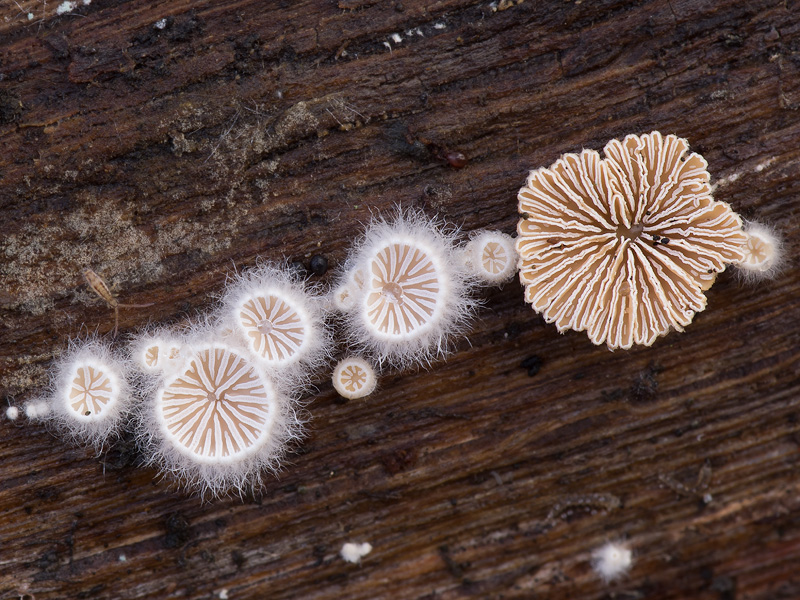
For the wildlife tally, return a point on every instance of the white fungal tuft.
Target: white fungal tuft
(217, 422)
(12, 413)
(612, 560)
(763, 253)
(269, 311)
(90, 396)
(354, 378)
(353, 552)
(492, 257)
(416, 292)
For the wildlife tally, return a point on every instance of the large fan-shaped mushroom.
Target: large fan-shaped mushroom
(624, 247)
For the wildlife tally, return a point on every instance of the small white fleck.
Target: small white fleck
(30, 16)
(388, 45)
(707, 498)
(12, 413)
(122, 558)
(396, 38)
(612, 560)
(763, 165)
(439, 25)
(65, 7)
(87, 2)
(160, 24)
(353, 552)
(223, 594)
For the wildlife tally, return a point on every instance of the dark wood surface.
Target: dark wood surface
(165, 158)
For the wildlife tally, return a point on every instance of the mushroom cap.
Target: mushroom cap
(90, 394)
(624, 247)
(93, 391)
(763, 252)
(218, 422)
(410, 292)
(219, 409)
(269, 310)
(491, 256)
(158, 351)
(354, 377)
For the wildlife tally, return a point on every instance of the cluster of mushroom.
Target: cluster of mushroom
(216, 404)
(622, 247)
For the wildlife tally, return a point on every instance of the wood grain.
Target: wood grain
(164, 144)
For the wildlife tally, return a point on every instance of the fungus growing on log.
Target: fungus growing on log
(763, 253)
(90, 397)
(217, 422)
(624, 247)
(415, 295)
(268, 310)
(354, 378)
(492, 257)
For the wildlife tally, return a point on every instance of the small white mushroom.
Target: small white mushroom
(90, 396)
(763, 253)
(354, 378)
(218, 421)
(416, 291)
(492, 257)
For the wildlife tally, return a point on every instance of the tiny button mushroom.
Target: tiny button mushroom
(354, 378)
(491, 256)
(763, 253)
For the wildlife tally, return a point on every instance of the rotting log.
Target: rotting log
(164, 144)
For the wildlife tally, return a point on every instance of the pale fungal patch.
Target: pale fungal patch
(354, 378)
(612, 560)
(763, 253)
(353, 552)
(624, 247)
(66, 7)
(219, 409)
(492, 257)
(12, 413)
(409, 290)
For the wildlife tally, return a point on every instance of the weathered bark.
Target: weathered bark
(163, 143)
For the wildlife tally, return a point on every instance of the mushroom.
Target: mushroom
(217, 422)
(624, 247)
(763, 253)
(157, 351)
(354, 377)
(408, 293)
(269, 311)
(90, 396)
(491, 256)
